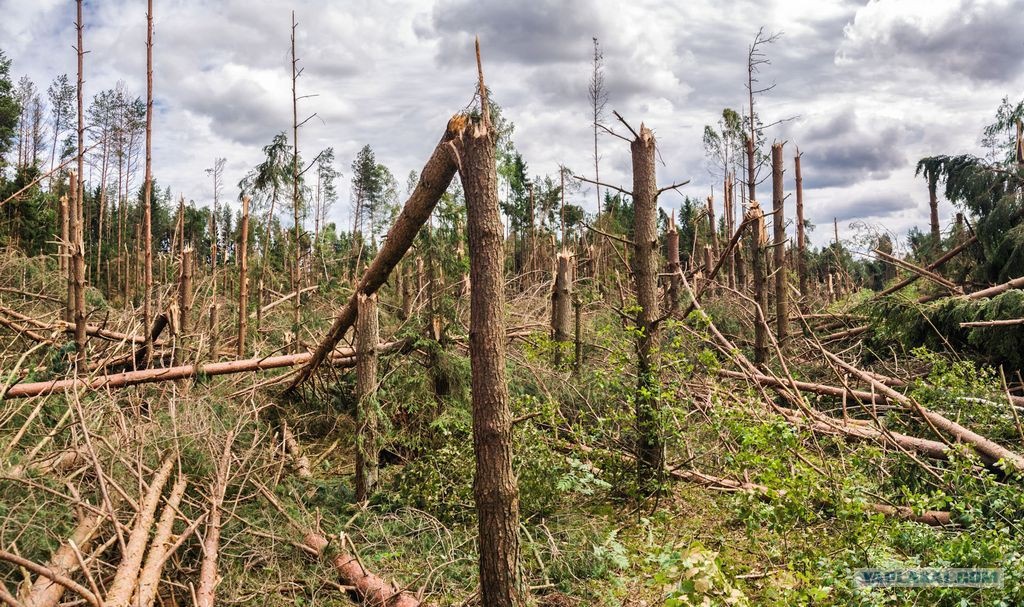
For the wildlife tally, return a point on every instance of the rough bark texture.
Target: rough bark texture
(756, 241)
(730, 227)
(712, 226)
(779, 245)
(650, 446)
(561, 305)
(243, 278)
(494, 485)
(801, 242)
(933, 206)
(374, 590)
(77, 213)
(296, 204)
(65, 238)
(434, 180)
(367, 442)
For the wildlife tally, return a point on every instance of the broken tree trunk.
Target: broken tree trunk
(757, 266)
(801, 242)
(932, 266)
(120, 590)
(434, 180)
(779, 245)
(561, 305)
(47, 593)
(76, 295)
(1016, 283)
(371, 588)
(495, 491)
(149, 577)
(206, 592)
(673, 267)
(343, 358)
(712, 226)
(367, 441)
(906, 265)
(185, 288)
(650, 447)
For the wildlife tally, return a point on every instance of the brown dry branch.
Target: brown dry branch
(206, 592)
(159, 550)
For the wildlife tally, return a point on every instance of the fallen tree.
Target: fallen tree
(437, 174)
(343, 358)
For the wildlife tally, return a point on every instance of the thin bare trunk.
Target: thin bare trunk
(147, 213)
(243, 278)
(367, 441)
(779, 245)
(206, 592)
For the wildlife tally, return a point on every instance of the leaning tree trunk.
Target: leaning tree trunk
(650, 444)
(367, 449)
(494, 485)
(561, 306)
(801, 242)
(779, 246)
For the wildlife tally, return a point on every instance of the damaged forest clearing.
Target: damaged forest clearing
(487, 395)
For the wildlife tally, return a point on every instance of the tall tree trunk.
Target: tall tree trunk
(185, 288)
(494, 485)
(650, 443)
(296, 203)
(730, 225)
(757, 240)
(779, 246)
(801, 242)
(147, 217)
(367, 441)
(712, 227)
(65, 242)
(77, 230)
(243, 278)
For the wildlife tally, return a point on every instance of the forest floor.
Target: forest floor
(588, 537)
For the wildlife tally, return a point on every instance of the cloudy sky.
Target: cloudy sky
(875, 85)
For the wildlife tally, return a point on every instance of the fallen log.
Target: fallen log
(159, 550)
(270, 306)
(47, 593)
(343, 358)
(437, 174)
(1009, 322)
(371, 588)
(854, 332)
(984, 446)
(926, 273)
(932, 266)
(1016, 283)
(90, 330)
(206, 593)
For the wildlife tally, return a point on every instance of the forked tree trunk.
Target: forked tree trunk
(367, 441)
(756, 240)
(561, 305)
(243, 278)
(779, 245)
(801, 242)
(650, 446)
(494, 485)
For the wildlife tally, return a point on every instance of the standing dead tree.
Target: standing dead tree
(243, 278)
(779, 245)
(756, 246)
(147, 206)
(367, 441)
(801, 242)
(76, 211)
(561, 305)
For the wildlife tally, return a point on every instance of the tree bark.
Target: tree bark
(933, 206)
(206, 592)
(185, 288)
(147, 216)
(756, 242)
(46, 592)
(367, 442)
(434, 180)
(494, 485)
(650, 445)
(801, 242)
(561, 305)
(673, 267)
(296, 203)
(779, 246)
(243, 278)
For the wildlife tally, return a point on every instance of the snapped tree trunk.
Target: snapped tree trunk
(561, 305)
(933, 206)
(779, 246)
(185, 288)
(756, 241)
(147, 213)
(494, 485)
(673, 267)
(434, 180)
(801, 242)
(367, 442)
(649, 441)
